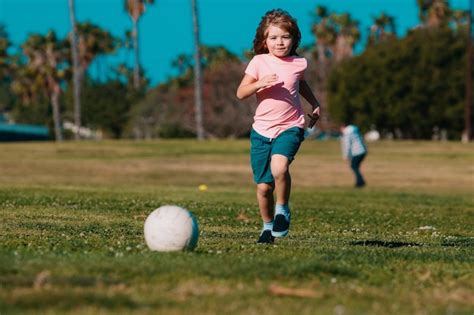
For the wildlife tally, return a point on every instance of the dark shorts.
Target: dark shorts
(262, 149)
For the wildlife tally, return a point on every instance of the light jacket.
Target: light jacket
(352, 143)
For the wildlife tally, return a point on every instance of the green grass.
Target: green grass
(71, 231)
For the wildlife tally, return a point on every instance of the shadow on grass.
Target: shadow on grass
(459, 242)
(387, 244)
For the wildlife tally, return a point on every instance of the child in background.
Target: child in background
(276, 76)
(354, 150)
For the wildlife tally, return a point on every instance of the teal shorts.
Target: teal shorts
(262, 149)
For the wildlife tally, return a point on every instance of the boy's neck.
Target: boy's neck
(283, 57)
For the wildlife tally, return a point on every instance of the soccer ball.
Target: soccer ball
(171, 228)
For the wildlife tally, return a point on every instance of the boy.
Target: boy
(354, 150)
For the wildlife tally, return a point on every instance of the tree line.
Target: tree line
(405, 87)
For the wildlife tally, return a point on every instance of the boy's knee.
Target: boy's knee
(279, 171)
(279, 167)
(264, 189)
(280, 174)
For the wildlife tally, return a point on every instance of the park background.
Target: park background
(72, 212)
(399, 67)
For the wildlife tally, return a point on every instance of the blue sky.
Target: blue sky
(166, 27)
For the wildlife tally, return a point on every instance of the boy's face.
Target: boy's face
(279, 41)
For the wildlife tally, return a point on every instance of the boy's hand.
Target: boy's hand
(268, 81)
(313, 117)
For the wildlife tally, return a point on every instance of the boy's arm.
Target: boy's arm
(308, 95)
(345, 146)
(250, 85)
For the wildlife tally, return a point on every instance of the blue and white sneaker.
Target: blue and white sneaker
(266, 237)
(281, 223)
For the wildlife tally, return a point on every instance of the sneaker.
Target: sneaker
(281, 225)
(266, 237)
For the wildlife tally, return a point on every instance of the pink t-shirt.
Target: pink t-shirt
(279, 106)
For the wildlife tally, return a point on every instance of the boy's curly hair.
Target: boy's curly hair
(282, 19)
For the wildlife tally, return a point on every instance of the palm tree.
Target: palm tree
(439, 13)
(347, 36)
(459, 18)
(91, 41)
(4, 44)
(325, 33)
(336, 36)
(382, 29)
(197, 74)
(46, 69)
(324, 29)
(434, 12)
(466, 135)
(7, 71)
(6, 67)
(76, 74)
(135, 9)
(23, 84)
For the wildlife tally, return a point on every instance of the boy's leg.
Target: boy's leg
(260, 159)
(284, 150)
(280, 171)
(265, 200)
(355, 165)
(266, 204)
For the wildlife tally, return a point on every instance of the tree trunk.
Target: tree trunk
(197, 74)
(323, 68)
(76, 70)
(136, 69)
(56, 116)
(466, 135)
(321, 52)
(343, 48)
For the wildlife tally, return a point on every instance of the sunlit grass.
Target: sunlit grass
(72, 219)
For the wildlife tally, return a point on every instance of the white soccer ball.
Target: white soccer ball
(171, 228)
(372, 135)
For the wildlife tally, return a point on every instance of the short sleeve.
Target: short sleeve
(252, 68)
(302, 78)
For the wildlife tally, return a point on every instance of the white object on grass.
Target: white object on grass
(171, 228)
(427, 227)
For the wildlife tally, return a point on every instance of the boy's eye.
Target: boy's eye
(286, 37)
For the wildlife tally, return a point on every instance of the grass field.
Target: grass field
(72, 218)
